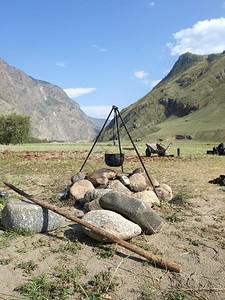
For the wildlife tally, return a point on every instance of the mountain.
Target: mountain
(188, 103)
(54, 116)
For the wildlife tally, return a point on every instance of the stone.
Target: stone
(62, 195)
(154, 181)
(65, 194)
(148, 197)
(124, 179)
(79, 189)
(164, 192)
(138, 170)
(78, 176)
(100, 176)
(116, 185)
(137, 182)
(111, 222)
(94, 194)
(24, 214)
(3, 194)
(166, 187)
(134, 209)
(93, 205)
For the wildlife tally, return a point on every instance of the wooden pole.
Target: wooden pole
(159, 261)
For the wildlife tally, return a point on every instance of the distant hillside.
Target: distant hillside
(54, 116)
(188, 102)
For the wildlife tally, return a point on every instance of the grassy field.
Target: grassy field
(186, 147)
(67, 265)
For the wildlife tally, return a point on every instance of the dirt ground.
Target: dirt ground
(192, 236)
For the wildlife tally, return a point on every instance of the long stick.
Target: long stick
(159, 261)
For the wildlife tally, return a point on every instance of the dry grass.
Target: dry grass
(192, 235)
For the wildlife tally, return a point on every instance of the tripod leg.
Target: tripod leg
(118, 133)
(137, 153)
(96, 139)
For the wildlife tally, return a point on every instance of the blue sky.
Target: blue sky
(107, 52)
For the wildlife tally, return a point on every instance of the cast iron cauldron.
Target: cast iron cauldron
(114, 160)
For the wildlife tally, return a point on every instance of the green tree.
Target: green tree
(14, 129)
(2, 128)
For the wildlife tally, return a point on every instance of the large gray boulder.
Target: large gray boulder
(134, 209)
(24, 214)
(111, 222)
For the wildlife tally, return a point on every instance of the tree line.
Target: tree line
(14, 129)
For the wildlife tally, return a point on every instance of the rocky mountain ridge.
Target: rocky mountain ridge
(54, 116)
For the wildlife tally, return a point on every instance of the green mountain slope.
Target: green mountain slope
(189, 101)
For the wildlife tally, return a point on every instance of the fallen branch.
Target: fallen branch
(159, 261)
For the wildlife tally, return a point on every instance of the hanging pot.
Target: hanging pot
(114, 159)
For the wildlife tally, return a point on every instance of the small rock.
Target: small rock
(137, 182)
(134, 209)
(154, 181)
(3, 194)
(24, 214)
(78, 176)
(124, 179)
(97, 180)
(93, 205)
(79, 188)
(164, 192)
(65, 194)
(166, 187)
(62, 195)
(148, 197)
(111, 222)
(101, 176)
(138, 170)
(116, 185)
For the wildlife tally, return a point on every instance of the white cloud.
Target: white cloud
(204, 37)
(99, 112)
(77, 92)
(61, 64)
(152, 3)
(100, 49)
(140, 74)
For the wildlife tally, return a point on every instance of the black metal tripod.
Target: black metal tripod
(116, 115)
